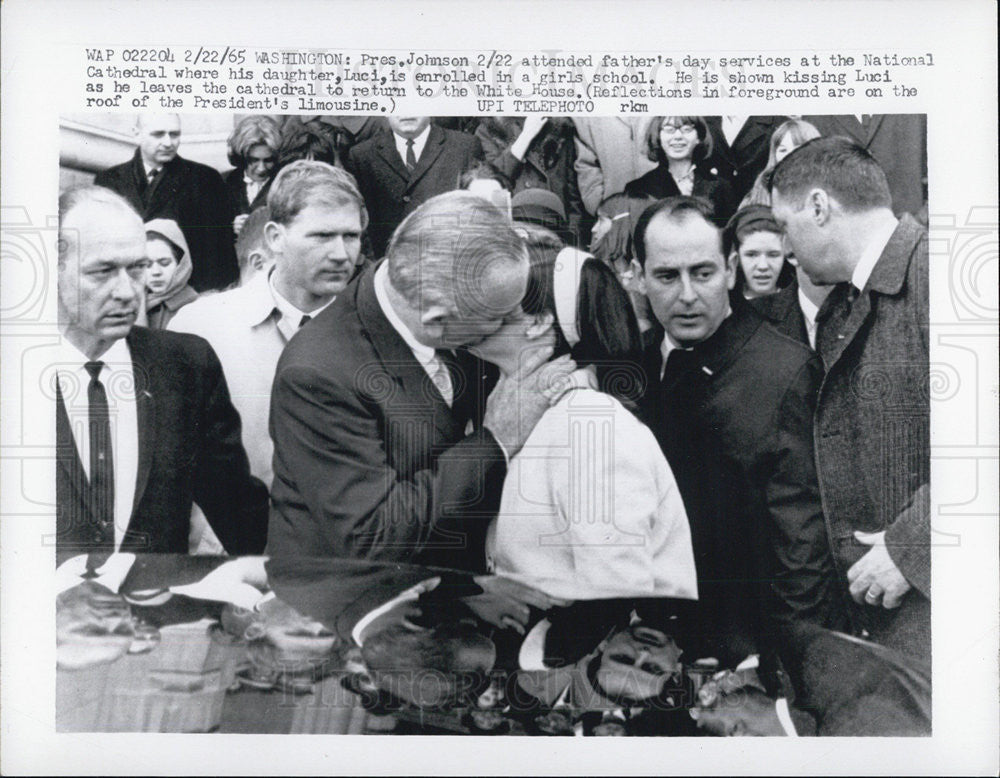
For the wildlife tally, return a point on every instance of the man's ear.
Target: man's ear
(738, 728)
(256, 260)
(540, 324)
(433, 318)
(730, 265)
(274, 235)
(819, 204)
(638, 274)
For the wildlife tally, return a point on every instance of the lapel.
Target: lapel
(750, 132)
(143, 368)
(432, 150)
(261, 198)
(385, 145)
(135, 181)
(720, 144)
(68, 459)
(398, 362)
(164, 190)
(887, 279)
(874, 124)
(719, 350)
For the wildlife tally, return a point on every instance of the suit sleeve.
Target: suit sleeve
(331, 453)
(234, 502)
(804, 584)
(496, 150)
(589, 177)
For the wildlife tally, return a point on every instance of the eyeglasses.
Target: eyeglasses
(684, 129)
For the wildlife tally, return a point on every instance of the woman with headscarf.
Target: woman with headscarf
(167, 289)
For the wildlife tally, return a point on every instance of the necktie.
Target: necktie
(102, 470)
(679, 362)
(444, 377)
(411, 158)
(832, 318)
(304, 320)
(153, 174)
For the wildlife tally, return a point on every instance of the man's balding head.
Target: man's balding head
(159, 137)
(102, 264)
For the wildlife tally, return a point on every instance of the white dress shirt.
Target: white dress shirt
(418, 144)
(118, 378)
(869, 257)
(809, 310)
(436, 370)
(731, 126)
(253, 188)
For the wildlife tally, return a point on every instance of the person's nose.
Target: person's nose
(125, 289)
(688, 294)
(336, 249)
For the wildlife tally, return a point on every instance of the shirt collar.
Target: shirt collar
(866, 264)
(668, 344)
(285, 308)
(70, 355)
(809, 308)
(424, 354)
(418, 143)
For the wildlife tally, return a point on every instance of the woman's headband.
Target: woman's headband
(565, 287)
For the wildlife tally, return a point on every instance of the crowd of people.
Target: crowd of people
(642, 388)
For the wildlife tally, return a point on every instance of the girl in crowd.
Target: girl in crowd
(753, 240)
(167, 289)
(590, 508)
(253, 152)
(680, 145)
(784, 140)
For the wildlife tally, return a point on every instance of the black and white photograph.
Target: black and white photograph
(521, 423)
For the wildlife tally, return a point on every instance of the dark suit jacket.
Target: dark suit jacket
(872, 429)
(854, 688)
(238, 202)
(741, 163)
(369, 461)
(195, 197)
(899, 143)
(391, 192)
(189, 451)
(782, 311)
(658, 183)
(736, 429)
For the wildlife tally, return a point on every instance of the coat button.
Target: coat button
(406, 198)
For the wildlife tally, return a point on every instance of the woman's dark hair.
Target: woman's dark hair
(309, 140)
(654, 149)
(609, 331)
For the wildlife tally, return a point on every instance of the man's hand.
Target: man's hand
(239, 221)
(518, 401)
(875, 577)
(504, 603)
